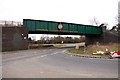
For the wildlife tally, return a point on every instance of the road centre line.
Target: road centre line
(41, 72)
(64, 51)
(51, 54)
(54, 53)
(43, 55)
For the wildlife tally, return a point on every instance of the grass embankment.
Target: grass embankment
(94, 48)
(44, 45)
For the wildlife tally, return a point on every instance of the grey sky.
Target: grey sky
(74, 11)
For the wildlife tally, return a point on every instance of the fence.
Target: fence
(10, 23)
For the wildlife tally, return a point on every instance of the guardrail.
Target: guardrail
(10, 23)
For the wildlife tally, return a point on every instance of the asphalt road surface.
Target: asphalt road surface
(54, 63)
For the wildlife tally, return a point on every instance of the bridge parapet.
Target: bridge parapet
(10, 23)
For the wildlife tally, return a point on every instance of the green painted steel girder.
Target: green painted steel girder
(63, 28)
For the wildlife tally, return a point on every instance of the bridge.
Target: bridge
(16, 35)
(61, 28)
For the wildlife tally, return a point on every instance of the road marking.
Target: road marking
(43, 55)
(54, 53)
(41, 72)
(88, 75)
(51, 54)
(63, 51)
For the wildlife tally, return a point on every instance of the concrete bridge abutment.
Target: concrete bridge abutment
(93, 39)
(14, 38)
(105, 38)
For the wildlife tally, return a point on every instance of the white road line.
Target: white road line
(54, 53)
(41, 72)
(89, 75)
(51, 54)
(64, 51)
(43, 55)
(8, 59)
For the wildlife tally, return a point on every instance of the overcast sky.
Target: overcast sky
(74, 11)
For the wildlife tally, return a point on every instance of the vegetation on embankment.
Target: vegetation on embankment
(31, 46)
(94, 48)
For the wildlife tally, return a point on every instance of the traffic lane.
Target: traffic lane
(37, 71)
(11, 54)
(18, 55)
(58, 64)
(41, 50)
(95, 67)
(35, 68)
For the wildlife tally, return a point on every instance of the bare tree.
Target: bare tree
(105, 24)
(94, 21)
(118, 16)
(117, 19)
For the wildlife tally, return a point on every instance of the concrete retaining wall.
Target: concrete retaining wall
(14, 38)
(104, 38)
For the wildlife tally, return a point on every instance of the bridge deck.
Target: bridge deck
(63, 28)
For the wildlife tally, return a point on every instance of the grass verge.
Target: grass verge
(94, 48)
(44, 45)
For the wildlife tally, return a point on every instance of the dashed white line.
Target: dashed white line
(54, 53)
(43, 55)
(41, 72)
(51, 54)
(89, 75)
(64, 51)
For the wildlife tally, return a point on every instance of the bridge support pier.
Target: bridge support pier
(104, 38)
(93, 39)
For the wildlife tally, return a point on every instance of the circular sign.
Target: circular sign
(60, 26)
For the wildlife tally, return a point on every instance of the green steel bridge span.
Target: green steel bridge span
(61, 28)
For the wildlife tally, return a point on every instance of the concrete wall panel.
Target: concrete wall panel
(14, 38)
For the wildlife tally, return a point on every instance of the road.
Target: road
(54, 63)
